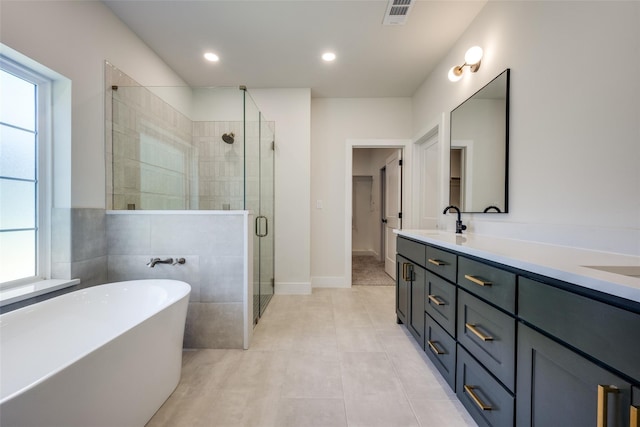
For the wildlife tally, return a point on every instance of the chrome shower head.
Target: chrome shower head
(228, 137)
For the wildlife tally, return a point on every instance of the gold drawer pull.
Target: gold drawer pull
(436, 262)
(476, 280)
(634, 416)
(474, 329)
(435, 300)
(476, 399)
(435, 349)
(603, 402)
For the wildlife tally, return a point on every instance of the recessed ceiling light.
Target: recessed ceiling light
(209, 56)
(328, 56)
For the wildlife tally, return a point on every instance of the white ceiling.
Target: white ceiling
(277, 44)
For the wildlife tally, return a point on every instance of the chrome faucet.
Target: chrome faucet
(153, 261)
(459, 225)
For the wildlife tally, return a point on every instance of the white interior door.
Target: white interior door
(428, 154)
(392, 209)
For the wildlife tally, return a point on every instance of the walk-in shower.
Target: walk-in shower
(182, 148)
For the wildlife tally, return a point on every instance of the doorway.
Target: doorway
(376, 206)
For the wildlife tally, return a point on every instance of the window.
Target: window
(24, 111)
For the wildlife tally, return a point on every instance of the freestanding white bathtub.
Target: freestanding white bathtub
(108, 355)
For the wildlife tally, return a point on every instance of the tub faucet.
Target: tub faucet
(153, 261)
(459, 225)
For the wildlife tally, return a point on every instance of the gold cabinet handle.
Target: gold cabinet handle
(634, 416)
(436, 261)
(436, 300)
(476, 280)
(435, 349)
(603, 402)
(406, 272)
(474, 329)
(476, 399)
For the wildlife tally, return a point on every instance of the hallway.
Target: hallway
(368, 270)
(333, 358)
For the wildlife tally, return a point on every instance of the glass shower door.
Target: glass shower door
(259, 195)
(266, 241)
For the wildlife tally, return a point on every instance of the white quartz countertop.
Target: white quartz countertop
(558, 262)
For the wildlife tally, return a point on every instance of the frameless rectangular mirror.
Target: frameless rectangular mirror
(478, 173)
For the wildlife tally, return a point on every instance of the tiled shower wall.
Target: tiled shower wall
(79, 245)
(220, 165)
(216, 248)
(157, 158)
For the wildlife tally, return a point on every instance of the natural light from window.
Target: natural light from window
(18, 178)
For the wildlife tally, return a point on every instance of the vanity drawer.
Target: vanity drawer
(441, 349)
(414, 251)
(488, 282)
(488, 334)
(605, 332)
(488, 402)
(442, 262)
(440, 302)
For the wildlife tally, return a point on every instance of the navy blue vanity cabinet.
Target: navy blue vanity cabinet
(410, 292)
(489, 335)
(578, 358)
(440, 347)
(488, 282)
(416, 316)
(488, 402)
(402, 289)
(558, 387)
(440, 302)
(443, 263)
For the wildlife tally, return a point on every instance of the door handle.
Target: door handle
(603, 403)
(407, 271)
(266, 226)
(384, 220)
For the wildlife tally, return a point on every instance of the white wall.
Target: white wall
(74, 39)
(333, 121)
(575, 118)
(290, 110)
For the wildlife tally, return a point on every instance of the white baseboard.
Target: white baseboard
(330, 282)
(364, 253)
(293, 288)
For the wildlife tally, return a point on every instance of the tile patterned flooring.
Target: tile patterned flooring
(333, 358)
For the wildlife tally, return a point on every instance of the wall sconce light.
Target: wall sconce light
(471, 59)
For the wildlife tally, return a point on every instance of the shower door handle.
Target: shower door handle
(266, 226)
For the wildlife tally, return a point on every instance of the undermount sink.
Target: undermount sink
(625, 270)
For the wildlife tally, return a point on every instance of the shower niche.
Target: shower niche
(186, 149)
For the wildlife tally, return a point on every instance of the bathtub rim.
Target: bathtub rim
(92, 349)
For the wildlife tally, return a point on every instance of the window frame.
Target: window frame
(43, 158)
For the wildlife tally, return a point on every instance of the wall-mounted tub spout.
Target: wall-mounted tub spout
(153, 261)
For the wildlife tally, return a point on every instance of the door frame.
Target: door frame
(405, 145)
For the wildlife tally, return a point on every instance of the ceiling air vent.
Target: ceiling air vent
(397, 12)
